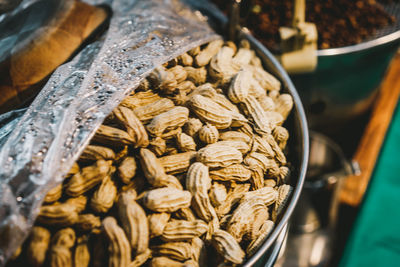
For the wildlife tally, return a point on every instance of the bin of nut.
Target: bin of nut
(190, 169)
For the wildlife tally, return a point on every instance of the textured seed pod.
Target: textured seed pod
(275, 118)
(275, 147)
(243, 217)
(177, 163)
(216, 155)
(217, 194)
(82, 253)
(185, 214)
(144, 85)
(205, 89)
(221, 68)
(256, 61)
(87, 222)
(37, 247)
(134, 222)
(185, 87)
(265, 230)
(239, 145)
(284, 104)
(266, 102)
(192, 126)
(209, 111)
(267, 194)
(74, 169)
(225, 103)
(257, 113)
(140, 99)
(196, 75)
(179, 73)
(136, 186)
(185, 59)
(54, 194)
(149, 111)
(246, 129)
(260, 216)
(112, 136)
(158, 146)
(257, 177)
(269, 183)
(79, 203)
(93, 152)
(234, 136)
(284, 192)
(208, 134)
(162, 79)
(166, 199)
(234, 172)
(64, 237)
(266, 80)
(284, 174)
(255, 159)
(264, 147)
(152, 168)
(141, 258)
(179, 251)
(232, 45)
(181, 230)
(60, 215)
(205, 55)
(243, 57)
(240, 86)
(232, 198)
(194, 51)
(165, 261)
(227, 246)
(103, 198)
(157, 223)
(185, 142)
(176, 117)
(281, 136)
(118, 248)
(87, 178)
(171, 133)
(133, 126)
(60, 256)
(199, 251)
(127, 169)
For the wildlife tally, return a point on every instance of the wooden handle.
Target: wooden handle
(354, 187)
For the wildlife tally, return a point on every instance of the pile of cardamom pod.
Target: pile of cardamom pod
(188, 170)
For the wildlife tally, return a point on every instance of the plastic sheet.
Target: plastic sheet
(52, 133)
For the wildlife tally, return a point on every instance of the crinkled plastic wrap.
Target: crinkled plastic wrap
(54, 130)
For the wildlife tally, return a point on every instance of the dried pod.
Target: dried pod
(224, 102)
(266, 102)
(185, 142)
(177, 163)
(158, 146)
(281, 136)
(165, 261)
(275, 147)
(234, 172)
(179, 73)
(284, 192)
(60, 256)
(82, 253)
(186, 87)
(205, 55)
(140, 99)
(265, 230)
(216, 155)
(185, 214)
(54, 194)
(157, 223)
(257, 113)
(257, 177)
(59, 214)
(246, 129)
(267, 194)
(37, 247)
(240, 86)
(118, 248)
(144, 85)
(284, 174)
(152, 168)
(134, 222)
(221, 68)
(179, 251)
(127, 169)
(264, 147)
(181, 230)
(255, 159)
(232, 198)
(209, 111)
(176, 117)
(87, 178)
(269, 183)
(166, 199)
(133, 125)
(192, 126)
(64, 237)
(243, 57)
(234, 136)
(112, 136)
(266, 80)
(87, 222)
(239, 145)
(79, 203)
(147, 112)
(194, 51)
(162, 79)
(103, 198)
(196, 75)
(217, 194)
(227, 246)
(185, 59)
(92, 152)
(284, 104)
(199, 251)
(141, 258)
(208, 134)
(243, 217)
(171, 133)
(260, 216)
(275, 118)
(231, 45)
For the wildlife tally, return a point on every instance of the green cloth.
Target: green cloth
(375, 237)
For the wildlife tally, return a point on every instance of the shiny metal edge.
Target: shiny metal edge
(359, 47)
(305, 148)
(278, 246)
